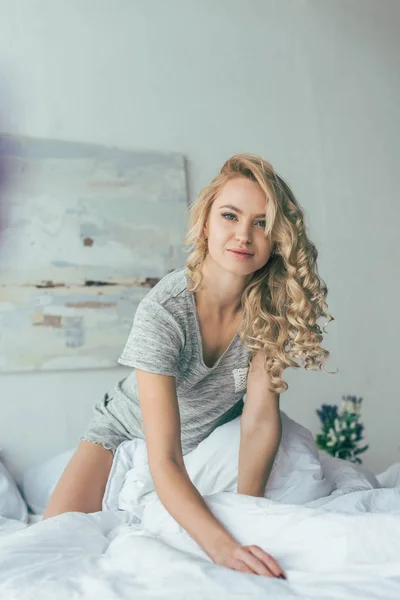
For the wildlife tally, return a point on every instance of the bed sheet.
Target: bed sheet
(346, 548)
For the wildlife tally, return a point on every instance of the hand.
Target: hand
(249, 559)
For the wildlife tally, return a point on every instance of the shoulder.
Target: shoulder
(167, 303)
(172, 285)
(156, 336)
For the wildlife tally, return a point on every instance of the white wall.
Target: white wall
(312, 86)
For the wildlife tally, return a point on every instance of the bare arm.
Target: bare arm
(159, 406)
(260, 431)
(161, 421)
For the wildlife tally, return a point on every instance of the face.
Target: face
(235, 228)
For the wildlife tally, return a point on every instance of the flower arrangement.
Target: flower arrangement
(341, 432)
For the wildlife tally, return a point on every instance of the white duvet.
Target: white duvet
(339, 538)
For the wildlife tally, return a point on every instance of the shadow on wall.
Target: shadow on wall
(7, 177)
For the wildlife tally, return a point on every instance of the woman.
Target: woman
(243, 308)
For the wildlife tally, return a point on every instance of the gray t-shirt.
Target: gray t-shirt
(165, 338)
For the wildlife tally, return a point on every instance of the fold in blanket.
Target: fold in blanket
(341, 544)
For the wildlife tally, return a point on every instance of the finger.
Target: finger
(267, 559)
(238, 565)
(254, 563)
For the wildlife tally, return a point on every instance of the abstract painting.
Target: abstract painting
(88, 230)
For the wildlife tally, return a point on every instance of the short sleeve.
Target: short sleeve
(155, 340)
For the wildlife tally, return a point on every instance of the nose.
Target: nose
(243, 234)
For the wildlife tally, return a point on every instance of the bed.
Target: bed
(333, 526)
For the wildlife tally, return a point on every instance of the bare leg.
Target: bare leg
(81, 486)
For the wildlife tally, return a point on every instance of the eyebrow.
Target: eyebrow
(240, 211)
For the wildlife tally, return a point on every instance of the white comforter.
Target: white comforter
(342, 546)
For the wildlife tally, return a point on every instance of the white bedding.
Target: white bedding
(343, 545)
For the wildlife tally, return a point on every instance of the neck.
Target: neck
(221, 291)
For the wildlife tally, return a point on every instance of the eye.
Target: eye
(226, 215)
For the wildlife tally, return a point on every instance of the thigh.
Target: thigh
(82, 484)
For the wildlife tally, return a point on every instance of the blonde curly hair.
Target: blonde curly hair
(284, 299)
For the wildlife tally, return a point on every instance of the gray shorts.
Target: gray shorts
(113, 423)
(117, 418)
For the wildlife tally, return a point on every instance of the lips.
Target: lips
(239, 251)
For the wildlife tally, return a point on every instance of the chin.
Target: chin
(239, 269)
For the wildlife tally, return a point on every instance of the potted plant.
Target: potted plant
(342, 431)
